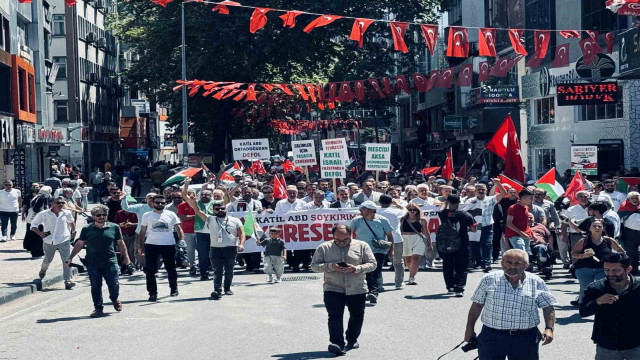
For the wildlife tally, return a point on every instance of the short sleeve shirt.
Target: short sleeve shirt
(506, 308)
(520, 220)
(101, 243)
(380, 227)
(223, 232)
(9, 200)
(160, 227)
(187, 225)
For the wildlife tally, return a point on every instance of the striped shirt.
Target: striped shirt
(506, 308)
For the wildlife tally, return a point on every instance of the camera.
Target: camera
(471, 345)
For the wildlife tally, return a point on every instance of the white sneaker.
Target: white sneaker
(13, 238)
(278, 280)
(3, 239)
(270, 279)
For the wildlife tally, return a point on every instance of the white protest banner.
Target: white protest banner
(250, 149)
(304, 152)
(332, 165)
(339, 144)
(306, 229)
(584, 158)
(378, 157)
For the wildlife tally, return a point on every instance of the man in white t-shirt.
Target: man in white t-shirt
(291, 203)
(227, 239)
(157, 228)
(423, 196)
(393, 215)
(10, 205)
(616, 196)
(571, 236)
(318, 202)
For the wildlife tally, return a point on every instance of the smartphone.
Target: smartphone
(343, 264)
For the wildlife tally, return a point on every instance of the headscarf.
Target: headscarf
(46, 191)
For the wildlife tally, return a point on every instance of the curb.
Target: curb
(13, 293)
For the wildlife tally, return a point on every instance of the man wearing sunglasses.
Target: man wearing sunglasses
(101, 238)
(227, 239)
(57, 229)
(156, 238)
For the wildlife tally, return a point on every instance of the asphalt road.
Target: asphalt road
(283, 321)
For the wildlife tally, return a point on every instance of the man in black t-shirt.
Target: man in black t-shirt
(454, 265)
(101, 239)
(596, 211)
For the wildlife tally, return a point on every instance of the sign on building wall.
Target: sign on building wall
(629, 51)
(584, 158)
(54, 135)
(571, 94)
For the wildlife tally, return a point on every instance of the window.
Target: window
(596, 16)
(58, 25)
(61, 111)
(545, 112)
(4, 34)
(62, 66)
(540, 14)
(546, 160)
(602, 112)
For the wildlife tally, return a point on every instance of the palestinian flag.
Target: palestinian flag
(625, 182)
(549, 183)
(180, 176)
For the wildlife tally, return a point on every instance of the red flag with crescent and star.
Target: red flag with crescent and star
(516, 37)
(541, 40)
(358, 29)
(465, 75)
(501, 67)
(320, 21)
(569, 34)
(289, 18)
(433, 79)
(398, 29)
(258, 19)
(562, 56)
(420, 82)
(358, 89)
(445, 80)
(458, 45)
(487, 42)
(589, 48)
(609, 38)
(430, 34)
(376, 86)
(483, 71)
(401, 84)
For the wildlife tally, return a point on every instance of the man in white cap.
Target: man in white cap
(377, 232)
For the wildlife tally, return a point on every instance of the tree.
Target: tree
(220, 48)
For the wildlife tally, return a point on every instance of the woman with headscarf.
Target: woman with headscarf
(33, 242)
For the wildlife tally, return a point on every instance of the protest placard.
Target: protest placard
(304, 152)
(250, 149)
(332, 165)
(378, 157)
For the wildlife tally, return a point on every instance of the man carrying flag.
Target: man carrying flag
(505, 144)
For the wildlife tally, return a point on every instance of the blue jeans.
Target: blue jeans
(203, 243)
(374, 278)
(486, 244)
(521, 243)
(606, 354)
(109, 272)
(4, 222)
(223, 260)
(586, 276)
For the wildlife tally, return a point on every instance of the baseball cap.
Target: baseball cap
(368, 205)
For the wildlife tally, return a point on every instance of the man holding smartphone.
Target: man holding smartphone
(344, 263)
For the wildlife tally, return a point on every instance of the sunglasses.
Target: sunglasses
(159, 203)
(100, 215)
(59, 203)
(597, 226)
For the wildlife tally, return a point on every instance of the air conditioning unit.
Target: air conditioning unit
(101, 43)
(91, 37)
(93, 78)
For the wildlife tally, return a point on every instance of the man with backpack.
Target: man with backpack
(452, 241)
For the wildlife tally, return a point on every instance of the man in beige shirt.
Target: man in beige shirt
(344, 263)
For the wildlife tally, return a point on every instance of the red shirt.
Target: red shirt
(123, 216)
(520, 220)
(187, 225)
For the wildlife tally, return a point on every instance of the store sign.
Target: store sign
(587, 93)
(452, 122)
(603, 67)
(497, 94)
(536, 85)
(629, 51)
(629, 9)
(584, 158)
(51, 135)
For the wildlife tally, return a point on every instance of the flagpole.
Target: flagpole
(306, 172)
(476, 160)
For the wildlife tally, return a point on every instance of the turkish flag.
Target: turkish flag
(430, 34)
(465, 75)
(240, 95)
(300, 89)
(576, 184)
(458, 45)
(501, 67)
(445, 80)
(358, 29)
(222, 7)
(386, 86)
(569, 34)
(593, 34)
(462, 173)
(376, 86)
(320, 92)
(257, 168)
(589, 48)
(516, 37)
(534, 62)
(541, 40)
(284, 88)
(508, 183)
(279, 189)
(333, 90)
(608, 39)
(428, 171)
(562, 56)
(289, 18)
(513, 163)
(433, 79)
(398, 29)
(346, 95)
(311, 89)
(251, 93)
(419, 81)
(483, 71)
(447, 169)
(258, 19)
(401, 84)
(498, 142)
(320, 21)
(358, 88)
(267, 87)
(487, 42)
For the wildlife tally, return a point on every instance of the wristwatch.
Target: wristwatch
(548, 328)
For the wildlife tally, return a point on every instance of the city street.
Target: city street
(261, 321)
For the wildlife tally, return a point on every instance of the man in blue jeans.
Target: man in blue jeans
(518, 233)
(227, 239)
(203, 241)
(101, 239)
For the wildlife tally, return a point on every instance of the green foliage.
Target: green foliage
(220, 48)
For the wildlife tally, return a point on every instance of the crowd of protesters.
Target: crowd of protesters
(481, 219)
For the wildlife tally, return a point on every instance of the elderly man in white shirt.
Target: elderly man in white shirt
(57, 230)
(291, 203)
(318, 201)
(423, 196)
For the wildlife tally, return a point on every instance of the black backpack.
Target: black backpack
(447, 238)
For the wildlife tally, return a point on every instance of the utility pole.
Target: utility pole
(185, 126)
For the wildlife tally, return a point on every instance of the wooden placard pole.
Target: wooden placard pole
(306, 172)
